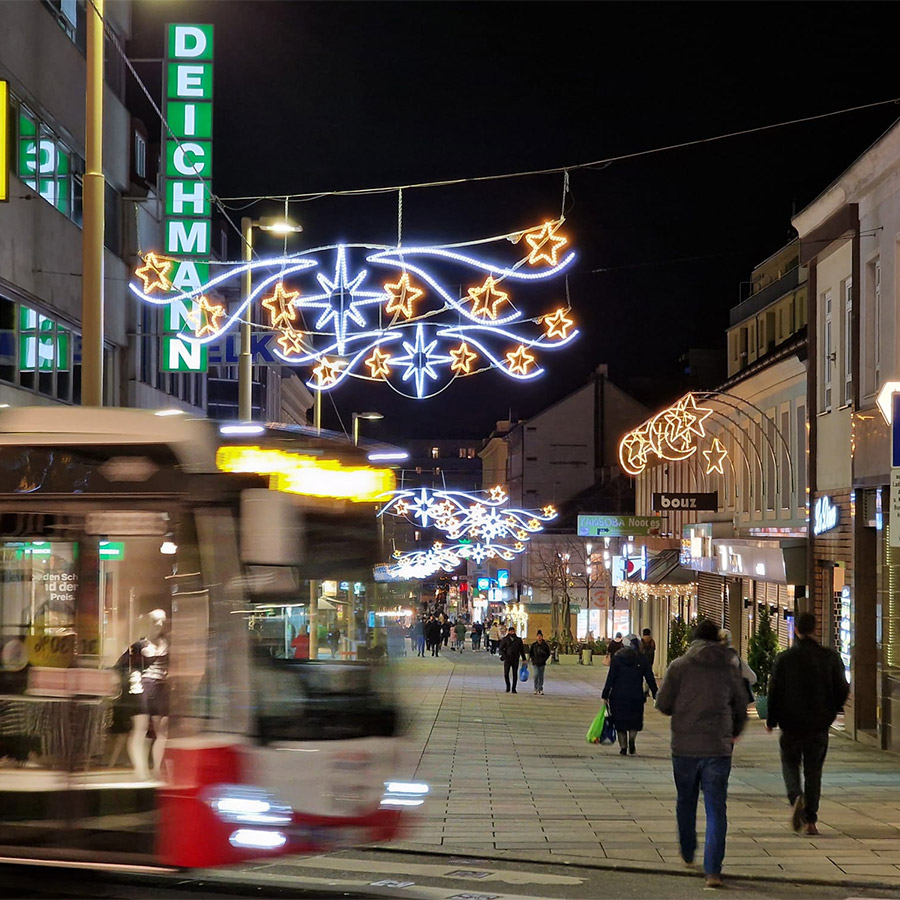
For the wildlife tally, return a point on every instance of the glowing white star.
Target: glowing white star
(420, 361)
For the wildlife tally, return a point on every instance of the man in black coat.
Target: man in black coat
(807, 690)
(511, 651)
(433, 635)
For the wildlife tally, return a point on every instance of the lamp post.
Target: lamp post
(245, 362)
(355, 420)
(93, 215)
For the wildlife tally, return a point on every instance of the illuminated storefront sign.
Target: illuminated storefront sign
(618, 526)
(845, 629)
(187, 227)
(825, 515)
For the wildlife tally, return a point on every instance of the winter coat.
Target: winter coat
(539, 653)
(648, 649)
(512, 649)
(460, 631)
(807, 688)
(624, 689)
(494, 633)
(433, 631)
(445, 629)
(704, 694)
(613, 647)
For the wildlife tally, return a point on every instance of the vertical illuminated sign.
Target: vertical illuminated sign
(4, 140)
(188, 169)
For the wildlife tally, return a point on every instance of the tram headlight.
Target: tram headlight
(403, 793)
(248, 805)
(257, 840)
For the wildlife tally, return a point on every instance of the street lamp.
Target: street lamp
(363, 415)
(273, 225)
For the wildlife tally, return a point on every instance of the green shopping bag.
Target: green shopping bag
(593, 733)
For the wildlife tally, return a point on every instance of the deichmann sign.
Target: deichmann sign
(679, 501)
(188, 169)
(618, 526)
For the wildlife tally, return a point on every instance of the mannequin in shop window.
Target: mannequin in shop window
(153, 717)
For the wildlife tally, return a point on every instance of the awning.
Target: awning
(664, 568)
(779, 560)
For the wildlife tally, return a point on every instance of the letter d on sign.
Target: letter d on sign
(189, 42)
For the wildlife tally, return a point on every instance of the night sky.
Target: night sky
(332, 96)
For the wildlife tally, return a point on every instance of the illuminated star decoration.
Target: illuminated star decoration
(402, 296)
(463, 358)
(281, 308)
(520, 360)
(671, 434)
(715, 456)
(420, 361)
(481, 527)
(153, 273)
(341, 300)
(545, 245)
(205, 316)
(379, 364)
(487, 299)
(558, 324)
(463, 332)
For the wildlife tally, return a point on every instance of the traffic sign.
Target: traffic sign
(618, 526)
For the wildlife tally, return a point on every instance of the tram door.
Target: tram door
(90, 671)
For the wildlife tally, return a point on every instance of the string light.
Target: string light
(402, 296)
(639, 590)
(715, 456)
(153, 273)
(440, 335)
(205, 316)
(539, 244)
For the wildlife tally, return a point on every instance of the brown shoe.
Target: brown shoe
(811, 828)
(714, 881)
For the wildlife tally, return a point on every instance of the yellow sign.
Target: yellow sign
(53, 650)
(4, 140)
(294, 473)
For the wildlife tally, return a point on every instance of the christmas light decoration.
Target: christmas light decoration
(402, 296)
(545, 245)
(205, 317)
(639, 590)
(153, 273)
(480, 527)
(437, 333)
(670, 435)
(715, 456)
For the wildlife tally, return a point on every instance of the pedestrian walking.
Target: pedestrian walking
(648, 646)
(445, 631)
(703, 693)
(539, 653)
(433, 633)
(807, 689)
(418, 637)
(477, 628)
(614, 646)
(747, 674)
(494, 637)
(460, 631)
(511, 651)
(625, 695)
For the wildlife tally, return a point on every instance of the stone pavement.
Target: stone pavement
(512, 777)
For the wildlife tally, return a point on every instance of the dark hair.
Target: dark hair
(706, 630)
(806, 623)
(646, 631)
(541, 633)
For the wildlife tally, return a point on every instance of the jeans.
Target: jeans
(539, 678)
(420, 646)
(691, 774)
(809, 748)
(626, 738)
(514, 668)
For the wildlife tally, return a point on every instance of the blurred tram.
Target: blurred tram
(186, 675)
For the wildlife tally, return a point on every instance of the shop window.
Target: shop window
(800, 461)
(7, 340)
(848, 342)
(828, 353)
(870, 350)
(435, 452)
(786, 462)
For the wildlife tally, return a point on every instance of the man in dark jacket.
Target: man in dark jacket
(433, 635)
(511, 651)
(539, 653)
(807, 690)
(703, 693)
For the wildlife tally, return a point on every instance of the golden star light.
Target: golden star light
(205, 317)
(487, 299)
(379, 364)
(402, 296)
(291, 341)
(498, 495)
(153, 273)
(520, 360)
(558, 324)
(280, 306)
(715, 456)
(545, 244)
(326, 372)
(463, 358)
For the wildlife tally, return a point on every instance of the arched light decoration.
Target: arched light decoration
(672, 434)
(390, 314)
(478, 527)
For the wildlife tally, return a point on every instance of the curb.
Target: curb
(660, 868)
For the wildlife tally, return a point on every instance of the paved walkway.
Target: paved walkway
(512, 777)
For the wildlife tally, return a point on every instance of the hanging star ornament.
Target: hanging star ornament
(558, 324)
(402, 296)
(205, 316)
(715, 457)
(326, 372)
(379, 364)
(463, 358)
(545, 244)
(520, 360)
(487, 299)
(281, 307)
(153, 273)
(420, 361)
(291, 341)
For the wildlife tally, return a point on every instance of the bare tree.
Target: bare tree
(549, 565)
